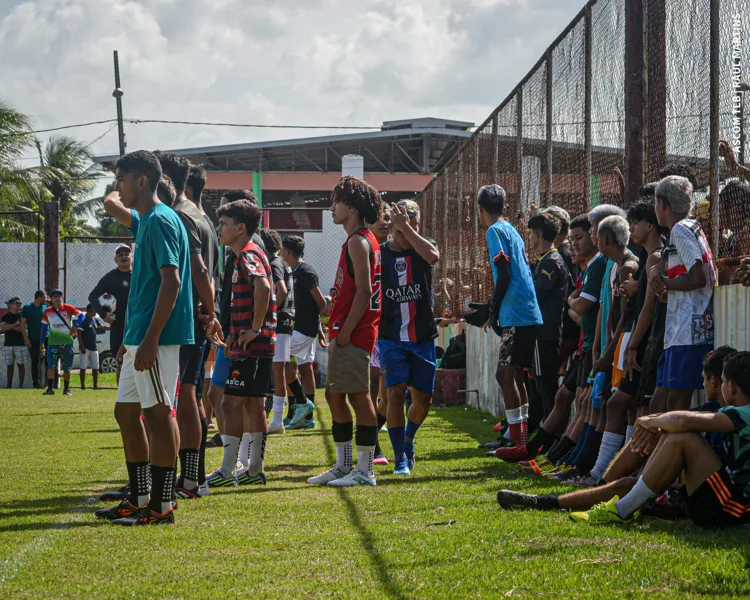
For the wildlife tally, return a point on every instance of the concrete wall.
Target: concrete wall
(482, 350)
(732, 316)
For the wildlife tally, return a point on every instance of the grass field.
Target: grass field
(438, 534)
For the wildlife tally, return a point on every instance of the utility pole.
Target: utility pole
(117, 95)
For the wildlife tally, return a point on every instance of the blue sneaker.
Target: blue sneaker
(409, 451)
(402, 468)
(309, 424)
(287, 420)
(300, 414)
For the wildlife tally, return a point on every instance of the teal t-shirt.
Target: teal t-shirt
(33, 315)
(737, 446)
(591, 290)
(160, 240)
(606, 302)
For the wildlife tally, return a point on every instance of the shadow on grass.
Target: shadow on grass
(53, 526)
(97, 431)
(368, 542)
(53, 414)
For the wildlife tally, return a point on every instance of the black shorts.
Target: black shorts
(191, 363)
(115, 341)
(250, 377)
(584, 367)
(570, 380)
(719, 502)
(649, 368)
(631, 386)
(546, 358)
(202, 377)
(517, 346)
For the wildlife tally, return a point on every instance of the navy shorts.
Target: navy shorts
(221, 369)
(413, 363)
(681, 367)
(191, 363)
(61, 353)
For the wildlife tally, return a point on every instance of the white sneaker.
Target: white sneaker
(354, 478)
(328, 476)
(276, 428)
(204, 490)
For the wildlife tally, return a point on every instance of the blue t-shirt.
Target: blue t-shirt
(519, 307)
(160, 240)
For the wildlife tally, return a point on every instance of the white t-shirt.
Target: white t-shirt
(690, 315)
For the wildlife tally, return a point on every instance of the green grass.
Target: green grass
(438, 534)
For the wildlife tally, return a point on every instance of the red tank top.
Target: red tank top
(366, 331)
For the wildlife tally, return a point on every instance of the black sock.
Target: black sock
(138, 477)
(381, 421)
(290, 404)
(190, 466)
(342, 432)
(311, 398)
(268, 405)
(367, 435)
(563, 447)
(547, 503)
(50, 383)
(540, 441)
(588, 458)
(162, 490)
(174, 482)
(202, 455)
(66, 384)
(296, 388)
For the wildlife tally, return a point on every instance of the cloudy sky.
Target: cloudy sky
(312, 62)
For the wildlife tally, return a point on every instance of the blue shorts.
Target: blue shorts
(221, 369)
(412, 363)
(681, 367)
(62, 353)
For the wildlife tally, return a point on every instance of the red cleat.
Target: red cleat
(498, 427)
(513, 454)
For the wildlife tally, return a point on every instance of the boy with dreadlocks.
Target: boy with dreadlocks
(355, 315)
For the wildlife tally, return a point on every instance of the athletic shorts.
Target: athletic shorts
(568, 349)
(221, 369)
(585, 364)
(570, 380)
(283, 348)
(719, 502)
(14, 355)
(250, 377)
(412, 363)
(375, 359)
(630, 385)
(348, 369)
(681, 367)
(618, 366)
(62, 353)
(191, 363)
(546, 358)
(649, 372)
(517, 346)
(89, 360)
(302, 348)
(155, 386)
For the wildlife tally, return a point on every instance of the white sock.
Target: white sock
(365, 456)
(256, 452)
(634, 499)
(278, 411)
(524, 412)
(611, 444)
(629, 433)
(231, 448)
(514, 415)
(344, 461)
(244, 453)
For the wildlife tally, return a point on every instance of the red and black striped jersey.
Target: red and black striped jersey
(366, 331)
(250, 264)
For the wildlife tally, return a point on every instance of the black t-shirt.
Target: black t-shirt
(117, 283)
(87, 333)
(201, 240)
(551, 286)
(13, 337)
(306, 312)
(659, 320)
(407, 300)
(570, 329)
(284, 313)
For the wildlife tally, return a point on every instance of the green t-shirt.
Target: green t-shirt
(591, 290)
(33, 315)
(160, 240)
(737, 446)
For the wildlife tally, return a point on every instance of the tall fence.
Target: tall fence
(628, 87)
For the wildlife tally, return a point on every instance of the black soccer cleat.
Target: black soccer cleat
(123, 510)
(116, 495)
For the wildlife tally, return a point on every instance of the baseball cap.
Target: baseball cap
(56, 292)
(412, 208)
(558, 212)
(122, 248)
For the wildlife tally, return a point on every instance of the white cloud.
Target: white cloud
(298, 61)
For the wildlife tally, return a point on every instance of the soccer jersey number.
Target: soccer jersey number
(376, 291)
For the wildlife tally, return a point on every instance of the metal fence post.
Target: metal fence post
(548, 150)
(587, 109)
(519, 150)
(714, 124)
(495, 150)
(634, 100)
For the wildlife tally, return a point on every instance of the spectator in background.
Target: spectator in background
(88, 352)
(31, 329)
(117, 284)
(687, 277)
(59, 319)
(15, 353)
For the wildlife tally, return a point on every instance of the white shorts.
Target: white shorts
(90, 360)
(283, 352)
(15, 355)
(149, 388)
(303, 348)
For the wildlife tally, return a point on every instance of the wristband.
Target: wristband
(255, 331)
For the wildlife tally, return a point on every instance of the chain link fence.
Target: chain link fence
(627, 89)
